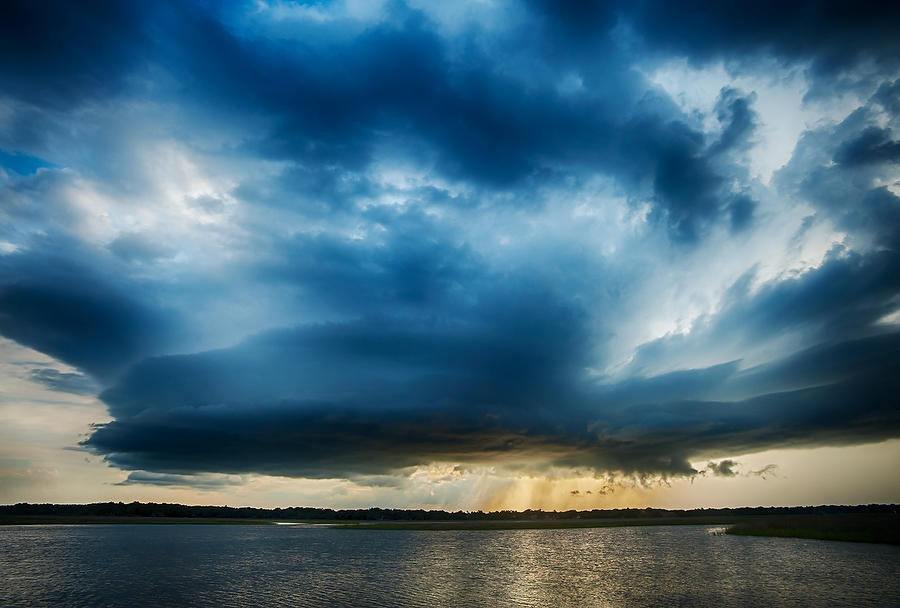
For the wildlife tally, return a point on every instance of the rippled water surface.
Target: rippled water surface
(221, 565)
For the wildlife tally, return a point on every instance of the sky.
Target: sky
(482, 254)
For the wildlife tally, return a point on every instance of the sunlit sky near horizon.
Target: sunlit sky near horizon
(473, 255)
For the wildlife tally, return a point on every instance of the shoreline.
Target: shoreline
(866, 528)
(361, 524)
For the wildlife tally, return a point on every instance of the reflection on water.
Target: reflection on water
(220, 565)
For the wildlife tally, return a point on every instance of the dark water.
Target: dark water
(220, 565)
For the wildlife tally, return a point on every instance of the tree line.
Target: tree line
(152, 509)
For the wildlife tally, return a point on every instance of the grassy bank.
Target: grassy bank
(36, 520)
(861, 528)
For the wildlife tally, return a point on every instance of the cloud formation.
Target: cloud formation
(328, 241)
(723, 468)
(64, 382)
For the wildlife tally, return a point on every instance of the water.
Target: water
(225, 566)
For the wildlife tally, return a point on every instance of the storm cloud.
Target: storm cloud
(334, 241)
(339, 401)
(65, 382)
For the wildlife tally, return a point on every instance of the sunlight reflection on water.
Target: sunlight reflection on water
(211, 565)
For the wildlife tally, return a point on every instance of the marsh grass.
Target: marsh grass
(37, 520)
(854, 527)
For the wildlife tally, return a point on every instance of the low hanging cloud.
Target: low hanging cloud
(723, 468)
(769, 470)
(731, 468)
(367, 403)
(64, 382)
(200, 482)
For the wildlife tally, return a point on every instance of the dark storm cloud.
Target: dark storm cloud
(723, 468)
(500, 383)
(57, 306)
(450, 109)
(58, 54)
(664, 437)
(519, 345)
(356, 427)
(741, 208)
(689, 183)
(817, 366)
(493, 379)
(201, 482)
(432, 350)
(736, 114)
(847, 294)
(586, 17)
(64, 382)
(835, 35)
(840, 169)
(471, 120)
(872, 146)
(842, 299)
(729, 468)
(398, 270)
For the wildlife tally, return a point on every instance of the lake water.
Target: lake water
(225, 566)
